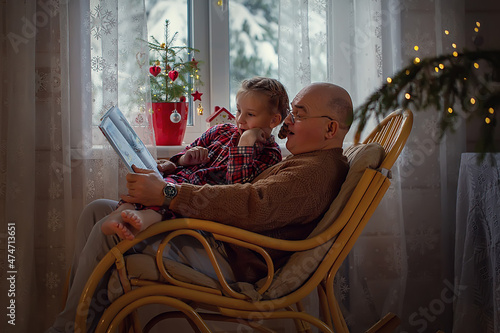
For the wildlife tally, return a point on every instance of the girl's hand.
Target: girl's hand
(166, 167)
(194, 156)
(250, 136)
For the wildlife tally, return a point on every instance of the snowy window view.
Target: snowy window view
(253, 41)
(253, 36)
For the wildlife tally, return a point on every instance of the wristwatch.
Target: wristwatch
(169, 192)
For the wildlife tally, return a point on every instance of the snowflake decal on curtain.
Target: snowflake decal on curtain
(54, 220)
(52, 280)
(41, 81)
(55, 190)
(90, 189)
(101, 21)
(98, 63)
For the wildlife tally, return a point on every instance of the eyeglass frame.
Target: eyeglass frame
(300, 118)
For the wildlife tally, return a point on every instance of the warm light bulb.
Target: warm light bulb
(407, 96)
(417, 60)
(455, 53)
(389, 80)
(436, 69)
(476, 65)
(415, 47)
(407, 72)
(450, 110)
(476, 29)
(491, 110)
(441, 66)
(454, 45)
(472, 100)
(446, 32)
(487, 120)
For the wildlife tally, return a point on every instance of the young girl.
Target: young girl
(224, 154)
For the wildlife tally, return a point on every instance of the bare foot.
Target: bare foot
(114, 224)
(133, 217)
(140, 219)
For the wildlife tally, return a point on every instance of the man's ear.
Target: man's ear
(332, 128)
(275, 120)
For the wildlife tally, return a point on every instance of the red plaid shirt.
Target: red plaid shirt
(228, 163)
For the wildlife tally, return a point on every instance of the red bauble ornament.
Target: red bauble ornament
(155, 70)
(182, 99)
(194, 63)
(196, 95)
(173, 75)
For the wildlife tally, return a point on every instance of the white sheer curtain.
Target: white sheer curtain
(52, 158)
(401, 262)
(112, 58)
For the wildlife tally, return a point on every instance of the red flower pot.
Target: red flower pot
(168, 133)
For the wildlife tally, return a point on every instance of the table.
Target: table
(477, 246)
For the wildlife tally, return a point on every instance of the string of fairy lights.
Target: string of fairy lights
(468, 78)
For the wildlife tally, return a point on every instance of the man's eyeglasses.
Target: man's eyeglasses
(296, 117)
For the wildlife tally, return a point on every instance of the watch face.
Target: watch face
(169, 191)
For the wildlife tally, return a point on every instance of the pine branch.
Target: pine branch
(470, 80)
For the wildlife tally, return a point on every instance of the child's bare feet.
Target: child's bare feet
(140, 219)
(116, 225)
(133, 218)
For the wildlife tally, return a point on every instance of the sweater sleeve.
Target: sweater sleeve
(290, 194)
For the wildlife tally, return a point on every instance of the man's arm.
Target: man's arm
(293, 195)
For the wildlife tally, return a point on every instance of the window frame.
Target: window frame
(210, 35)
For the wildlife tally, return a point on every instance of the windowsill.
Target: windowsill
(168, 151)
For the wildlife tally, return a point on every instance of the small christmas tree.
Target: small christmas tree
(172, 78)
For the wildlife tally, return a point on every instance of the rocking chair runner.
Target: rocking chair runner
(313, 264)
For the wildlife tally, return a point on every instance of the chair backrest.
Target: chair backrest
(392, 133)
(379, 151)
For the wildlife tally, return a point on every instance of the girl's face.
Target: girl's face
(253, 111)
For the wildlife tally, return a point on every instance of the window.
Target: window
(190, 18)
(237, 39)
(253, 41)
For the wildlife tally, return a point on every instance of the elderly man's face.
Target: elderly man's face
(308, 132)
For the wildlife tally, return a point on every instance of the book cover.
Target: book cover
(125, 141)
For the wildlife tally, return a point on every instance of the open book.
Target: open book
(125, 141)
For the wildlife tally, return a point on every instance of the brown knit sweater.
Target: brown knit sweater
(285, 201)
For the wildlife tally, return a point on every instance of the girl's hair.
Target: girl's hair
(278, 97)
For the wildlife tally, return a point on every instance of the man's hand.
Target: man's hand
(250, 136)
(144, 187)
(194, 156)
(166, 167)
